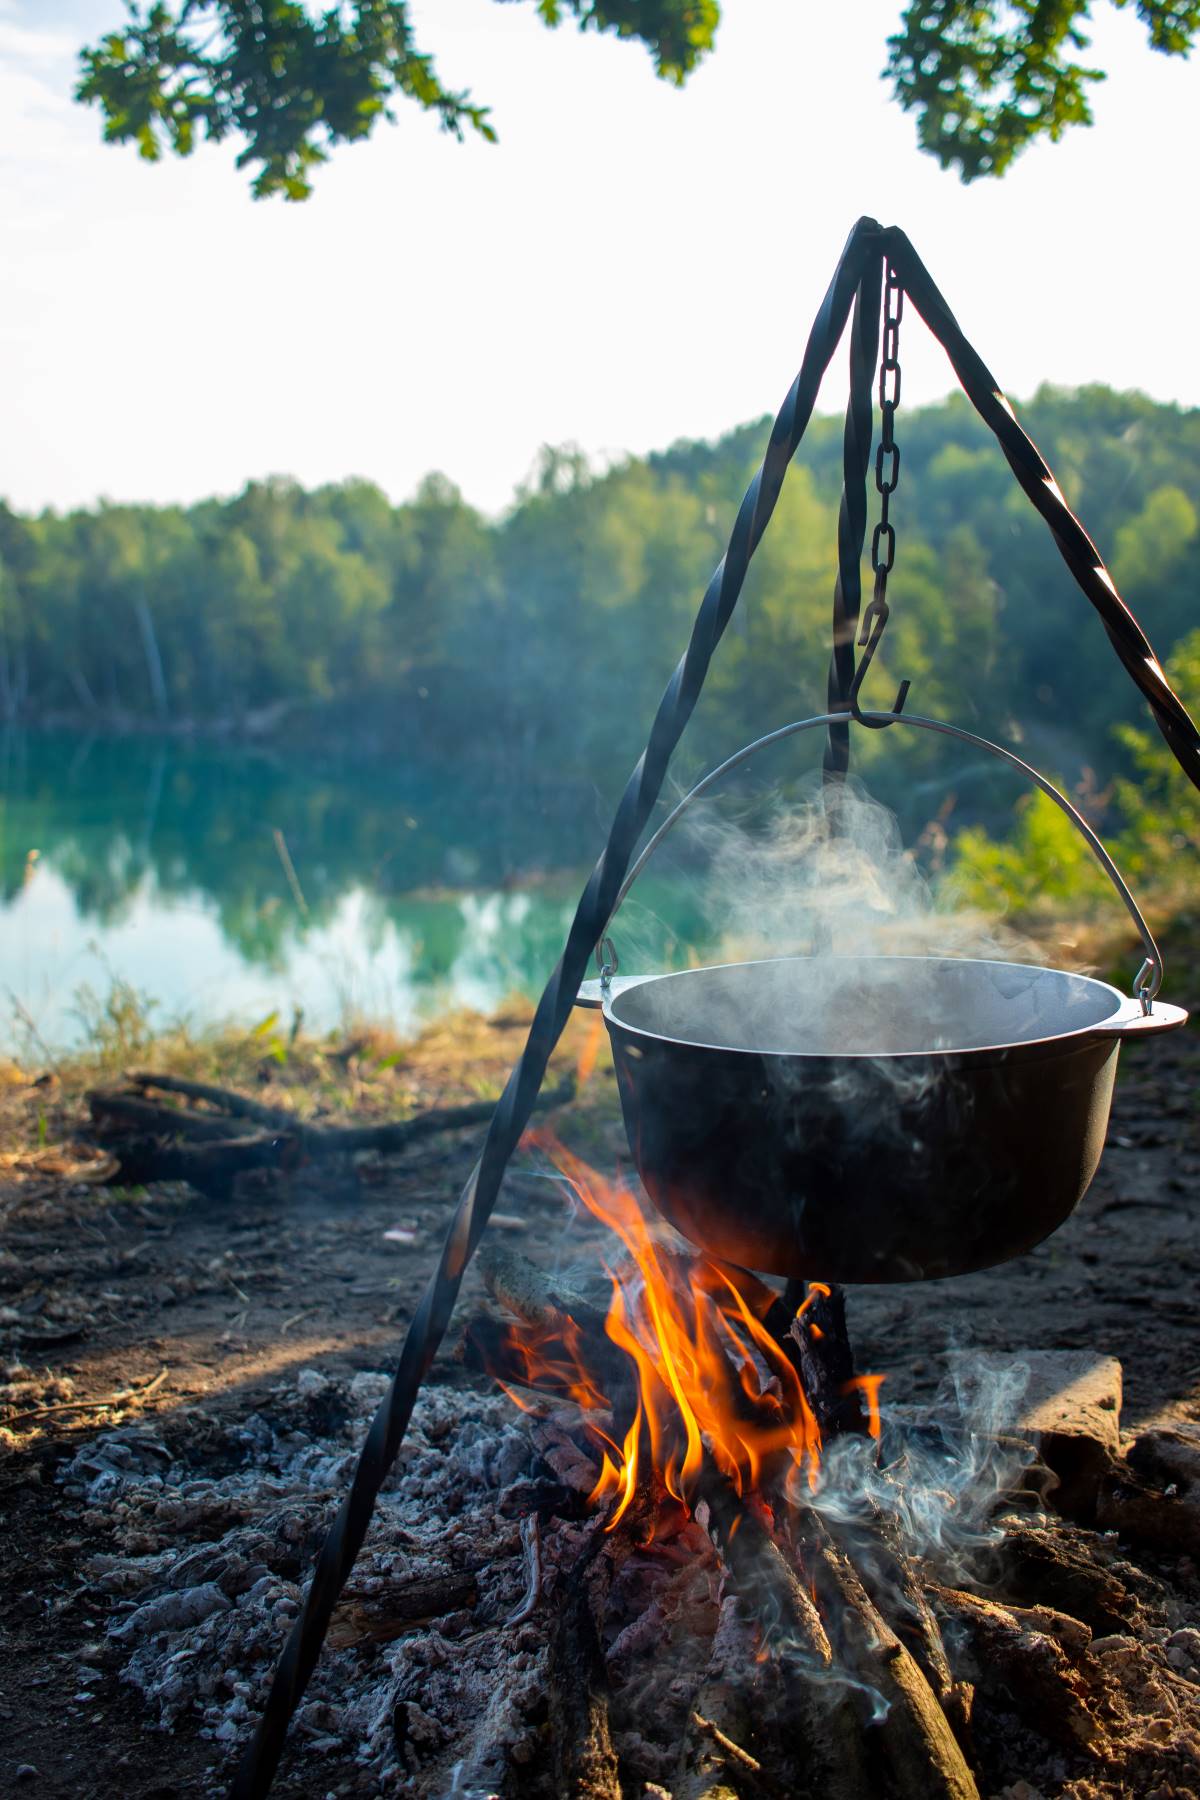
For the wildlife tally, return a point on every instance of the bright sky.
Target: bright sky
(631, 264)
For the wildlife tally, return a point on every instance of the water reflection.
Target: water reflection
(225, 883)
(158, 864)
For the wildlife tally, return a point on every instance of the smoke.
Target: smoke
(935, 1477)
(830, 875)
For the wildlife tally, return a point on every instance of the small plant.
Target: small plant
(117, 1026)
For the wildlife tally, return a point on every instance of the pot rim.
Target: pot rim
(1099, 1028)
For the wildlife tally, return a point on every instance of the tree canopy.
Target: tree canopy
(559, 623)
(292, 81)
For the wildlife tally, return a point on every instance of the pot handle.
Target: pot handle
(1130, 1020)
(1143, 1017)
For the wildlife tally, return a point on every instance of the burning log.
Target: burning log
(565, 1336)
(848, 1715)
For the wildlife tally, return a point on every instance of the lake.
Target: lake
(221, 883)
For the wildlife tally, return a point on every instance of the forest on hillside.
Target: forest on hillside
(427, 628)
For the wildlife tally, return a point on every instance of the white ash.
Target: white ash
(209, 1562)
(210, 1551)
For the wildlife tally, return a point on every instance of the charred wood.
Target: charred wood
(1035, 1567)
(585, 1763)
(408, 1604)
(212, 1163)
(1011, 1653)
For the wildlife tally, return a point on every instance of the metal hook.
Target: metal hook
(607, 962)
(874, 623)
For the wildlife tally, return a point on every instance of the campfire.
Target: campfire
(714, 1407)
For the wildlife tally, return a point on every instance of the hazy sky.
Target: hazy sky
(629, 265)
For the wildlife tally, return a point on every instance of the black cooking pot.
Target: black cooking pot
(882, 1118)
(872, 1118)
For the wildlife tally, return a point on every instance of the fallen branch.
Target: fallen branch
(733, 1754)
(242, 1106)
(125, 1397)
(127, 1112)
(213, 1160)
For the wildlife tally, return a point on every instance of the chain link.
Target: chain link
(887, 476)
(889, 400)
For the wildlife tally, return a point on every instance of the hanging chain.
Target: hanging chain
(887, 475)
(883, 543)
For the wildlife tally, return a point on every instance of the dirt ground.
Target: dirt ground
(160, 1305)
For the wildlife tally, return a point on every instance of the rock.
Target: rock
(1071, 1411)
(1170, 1457)
(1157, 1499)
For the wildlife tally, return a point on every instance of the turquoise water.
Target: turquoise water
(164, 867)
(220, 883)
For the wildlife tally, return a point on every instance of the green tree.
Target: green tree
(293, 81)
(987, 79)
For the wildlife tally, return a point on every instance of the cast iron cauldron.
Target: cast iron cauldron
(871, 1118)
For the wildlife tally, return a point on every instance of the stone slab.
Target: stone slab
(1067, 1394)
(1070, 1410)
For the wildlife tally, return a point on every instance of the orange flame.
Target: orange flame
(711, 1379)
(868, 1386)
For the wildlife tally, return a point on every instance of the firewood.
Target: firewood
(813, 1718)
(568, 1329)
(897, 1591)
(534, 1296)
(1028, 1665)
(725, 1703)
(825, 1363)
(913, 1739)
(585, 1763)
